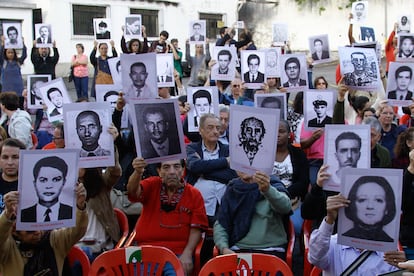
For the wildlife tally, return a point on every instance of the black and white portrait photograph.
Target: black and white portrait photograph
(12, 32)
(34, 97)
(274, 101)
(279, 33)
(133, 26)
(115, 68)
(202, 100)
(44, 35)
(108, 93)
(225, 66)
(400, 83)
(372, 219)
(54, 95)
(158, 130)
(318, 106)
(405, 47)
(359, 12)
(294, 75)
(359, 67)
(253, 132)
(346, 146)
(165, 70)
(139, 76)
(239, 24)
(47, 189)
(253, 68)
(273, 55)
(319, 48)
(88, 128)
(404, 24)
(102, 28)
(367, 34)
(197, 31)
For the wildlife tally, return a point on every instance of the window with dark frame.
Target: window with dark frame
(211, 23)
(149, 20)
(83, 16)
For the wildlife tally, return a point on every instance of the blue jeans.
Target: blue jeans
(81, 85)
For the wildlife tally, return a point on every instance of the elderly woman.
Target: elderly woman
(390, 131)
(371, 207)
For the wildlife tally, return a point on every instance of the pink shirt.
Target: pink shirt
(80, 71)
(316, 150)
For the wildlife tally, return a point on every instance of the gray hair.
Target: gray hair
(374, 123)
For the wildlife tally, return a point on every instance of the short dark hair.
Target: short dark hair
(10, 100)
(403, 68)
(407, 37)
(202, 94)
(224, 53)
(154, 110)
(12, 28)
(88, 113)
(360, 4)
(12, 142)
(358, 53)
(348, 135)
(81, 46)
(59, 126)
(174, 40)
(315, 82)
(102, 24)
(267, 100)
(53, 162)
(222, 30)
(110, 93)
(253, 56)
(164, 33)
(351, 210)
(292, 60)
(51, 90)
(138, 64)
(318, 40)
(197, 24)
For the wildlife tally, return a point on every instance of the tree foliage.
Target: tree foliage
(318, 4)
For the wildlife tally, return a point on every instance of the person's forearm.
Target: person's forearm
(307, 142)
(134, 185)
(193, 240)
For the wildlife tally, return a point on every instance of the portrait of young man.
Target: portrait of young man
(133, 26)
(202, 100)
(253, 68)
(319, 51)
(35, 96)
(165, 70)
(367, 34)
(54, 95)
(197, 32)
(294, 77)
(225, 67)
(406, 47)
(274, 101)
(403, 76)
(359, 11)
(102, 29)
(13, 35)
(404, 24)
(319, 108)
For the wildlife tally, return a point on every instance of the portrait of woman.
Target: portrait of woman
(372, 207)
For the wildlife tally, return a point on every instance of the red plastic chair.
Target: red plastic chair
(245, 264)
(316, 271)
(131, 260)
(123, 225)
(306, 230)
(35, 141)
(76, 254)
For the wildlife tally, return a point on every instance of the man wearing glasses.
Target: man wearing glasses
(292, 70)
(89, 129)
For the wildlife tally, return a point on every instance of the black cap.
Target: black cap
(319, 102)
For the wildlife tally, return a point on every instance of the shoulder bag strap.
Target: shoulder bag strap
(356, 263)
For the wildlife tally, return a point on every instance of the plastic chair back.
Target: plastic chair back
(76, 254)
(245, 264)
(132, 260)
(123, 225)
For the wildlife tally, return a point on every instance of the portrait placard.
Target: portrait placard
(253, 138)
(133, 26)
(165, 70)
(405, 48)
(276, 101)
(372, 219)
(400, 83)
(359, 67)
(367, 34)
(158, 130)
(12, 32)
(54, 95)
(273, 55)
(44, 35)
(139, 76)
(35, 97)
(359, 12)
(253, 64)
(86, 128)
(371, 45)
(280, 33)
(51, 175)
(318, 106)
(346, 146)
(293, 72)
(239, 24)
(203, 99)
(197, 31)
(225, 67)
(102, 28)
(115, 68)
(108, 93)
(319, 47)
(404, 24)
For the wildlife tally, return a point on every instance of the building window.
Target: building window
(149, 20)
(211, 23)
(83, 18)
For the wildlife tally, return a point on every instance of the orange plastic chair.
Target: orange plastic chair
(76, 254)
(306, 230)
(245, 264)
(123, 225)
(35, 141)
(316, 271)
(131, 260)
(49, 146)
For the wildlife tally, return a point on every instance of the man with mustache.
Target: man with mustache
(348, 152)
(173, 212)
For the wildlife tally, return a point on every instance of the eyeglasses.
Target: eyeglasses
(236, 85)
(321, 83)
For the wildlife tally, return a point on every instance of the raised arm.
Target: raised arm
(134, 181)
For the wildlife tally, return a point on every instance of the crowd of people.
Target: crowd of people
(181, 199)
